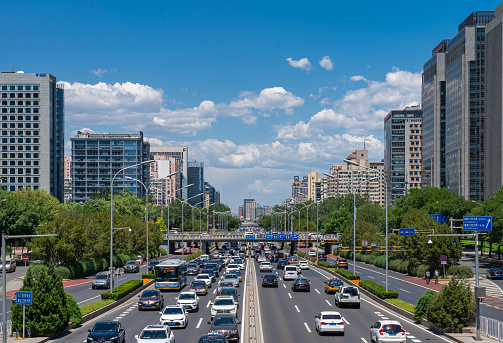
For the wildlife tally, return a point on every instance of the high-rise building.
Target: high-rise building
(195, 177)
(68, 179)
(178, 157)
(314, 187)
(348, 177)
(263, 211)
(250, 206)
(32, 119)
(97, 157)
(494, 104)
(402, 151)
(212, 196)
(464, 61)
(241, 211)
(299, 189)
(165, 189)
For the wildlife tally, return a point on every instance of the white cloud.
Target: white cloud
(300, 130)
(100, 72)
(268, 99)
(326, 63)
(303, 63)
(259, 187)
(358, 78)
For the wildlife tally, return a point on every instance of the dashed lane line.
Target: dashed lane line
(363, 339)
(404, 290)
(209, 302)
(214, 291)
(297, 308)
(345, 320)
(199, 323)
(328, 302)
(317, 291)
(307, 327)
(290, 295)
(284, 285)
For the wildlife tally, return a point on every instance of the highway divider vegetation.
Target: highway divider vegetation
(122, 291)
(402, 304)
(378, 290)
(86, 309)
(346, 273)
(193, 256)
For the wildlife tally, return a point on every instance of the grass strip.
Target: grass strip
(86, 309)
(402, 304)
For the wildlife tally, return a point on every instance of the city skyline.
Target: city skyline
(258, 95)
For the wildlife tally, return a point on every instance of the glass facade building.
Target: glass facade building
(195, 176)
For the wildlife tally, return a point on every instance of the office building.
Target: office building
(250, 206)
(402, 151)
(164, 189)
(195, 177)
(32, 119)
(299, 189)
(97, 157)
(68, 179)
(314, 187)
(263, 211)
(178, 157)
(241, 211)
(212, 196)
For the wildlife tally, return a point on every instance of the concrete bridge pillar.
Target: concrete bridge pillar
(205, 247)
(172, 247)
(328, 248)
(293, 247)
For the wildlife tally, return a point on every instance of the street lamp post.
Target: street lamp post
(115, 229)
(183, 238)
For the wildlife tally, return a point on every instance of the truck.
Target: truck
(348, 295)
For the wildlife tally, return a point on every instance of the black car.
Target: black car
(151, 299)
(131, 266)
(281, 255)
(109, 331)
(217, 265)
(282, 264)
(322, 256)
(192, 269)
(301, 284)
(494, 273)
(152, 264)
(270, 280)
(230, 291)
(213, 338)
(225, 324)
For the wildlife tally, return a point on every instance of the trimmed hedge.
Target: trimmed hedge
(74, 309)
(123, 290)
(325, 264)
(147, 276)
(86, 309)
(193, 256)
(402, 304)
(347, 274)
(460, 272)
(378, 290)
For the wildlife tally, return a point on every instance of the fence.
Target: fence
(491, 328)
(9, 328)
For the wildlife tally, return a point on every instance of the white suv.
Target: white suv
(156, 334)
(290, 272)
(189, 300)
(266, 267)
(387, 331)
(224, 304)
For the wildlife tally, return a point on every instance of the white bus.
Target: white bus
(170, 274)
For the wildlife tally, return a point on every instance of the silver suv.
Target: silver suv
(101, 280)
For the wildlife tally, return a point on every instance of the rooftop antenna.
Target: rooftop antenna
(364, 144)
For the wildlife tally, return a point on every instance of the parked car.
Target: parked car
(329, 321)
(174, 315)
(387, 331)
(150, 298)
(109, 331)
(494, 273)
(225, 324)
(155, 334)
(101, 280)
(132, 266)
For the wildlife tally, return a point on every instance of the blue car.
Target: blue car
(301, 284)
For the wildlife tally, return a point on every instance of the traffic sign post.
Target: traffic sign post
(406, 232)
(439, 218)
(477, 223)
(24, 298)
(443, 262)
(26, 258)
(365, 244)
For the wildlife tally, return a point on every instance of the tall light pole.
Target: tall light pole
(386, 195)
(115, 229)
(112, 213)
(183, 238)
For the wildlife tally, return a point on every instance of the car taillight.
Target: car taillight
(380, 332)
(403, 331)
(323, 323)
(494, 273)
(295, 284)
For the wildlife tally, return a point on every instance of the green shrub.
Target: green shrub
(73, 308)
(147, 276)
(422, 304)
(461, 272)
(378, 290)
(86, 309)
(123, 290)
(63, 272)
(453, 307)
(402, 304)
(347, 274)
(325, 264)
(421, 270)
(36, 268)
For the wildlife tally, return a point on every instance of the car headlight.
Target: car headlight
(89, 339)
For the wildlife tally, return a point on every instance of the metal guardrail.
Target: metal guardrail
(491, 328)
(9, 328)
(241, 236)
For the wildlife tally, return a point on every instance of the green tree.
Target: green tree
(337, 221)
(422, 304)
(364, 231)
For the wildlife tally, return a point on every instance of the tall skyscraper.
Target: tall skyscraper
(299, 189)
(68, 178)
(195, 177)
(402, 151)
(250, 207)
(178, 157)
(212, 196)
(97, 157)
(32, 118)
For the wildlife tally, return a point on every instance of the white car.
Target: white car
(224, 304)
(204, 277)
(304, 265)
(266, 267)
(189, 300)
(139, 259)
(232, 278)
(174, 315)
(387, 331)
(290, 272)
(311, 253)
(240, 263)
(261, 259)
(156, 334)
(329, 321)
(231, 266)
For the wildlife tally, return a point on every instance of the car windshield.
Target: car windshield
(198, 284)
(290, 269)
(392, 328)
(194, 265)
(173, 310)
(350, 291)
(233, 266)
(186, 296)
(301, 280)
(153, 263)
(101, 277)
(105, 327)
(223, 302)
(153, 334)
(131, 263)
(497, 270)
(211, 339)
(202, 277)
(224, 321)
(150, 294)
(230, 276)
(228, 292)
(226, 284)
(331, 316)
(238, 261)
(207, 271)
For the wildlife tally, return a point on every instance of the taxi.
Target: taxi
(333, 285)
(238, 274)
(292, 259)
(199, 287)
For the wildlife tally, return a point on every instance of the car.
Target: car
(213, 338)
(292, 259)
(206, 278)
(240, 263)
(387, 331)
(348, 295)
(131, 266)
(261, 258)
(199, 287)
(266, 267)
(329, 321)
(210, 272)
(152, 264)
(204, 257)
(333, 285)
(301, 284)
(192, 268)
(224, 304)
(281, 264)
(322, 256)
(311, 253)
(273, 258)
(304, 265)
(189, 300)
(225, 324)
(230, 291)
(232, 278)
(290, 272)
(494, 273)
(269, 280)
(174, 315)
(155, 334)
(101, 280)
(222, 284)
(238, 274)
(341, 263)
(10, 265)
(139, 259)
(231, 266)
(150, 298)
(109, 331)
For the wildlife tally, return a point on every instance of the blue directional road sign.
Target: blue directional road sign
(24, 298)
(250, 236)
(406, 232)
(477, 223)
(440, 218)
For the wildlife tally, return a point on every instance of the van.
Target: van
(204, 258)
(290, 272)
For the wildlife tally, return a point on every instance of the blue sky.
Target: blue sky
(259, 90)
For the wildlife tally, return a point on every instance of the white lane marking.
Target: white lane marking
(345, 321)
(328, 302)
(83, 301)
(122, 315)
(411, 337)
(317, 291)
(279, 278)
(363, 339)
(277, 273)
(416, 340)
(199, 323)
(404, 290)
(209, 302)
(214, 291)
(297, 308)
(290, 295)
(384, 318)
(378, 313)
(371, 277)
(284, 285)
(307, 327)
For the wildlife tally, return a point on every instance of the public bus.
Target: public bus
(170, 274)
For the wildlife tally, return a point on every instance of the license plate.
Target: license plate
(148, 304)
(333, 324)
(171, 323)
(392, 334)
(345, 297)
(186, 306)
